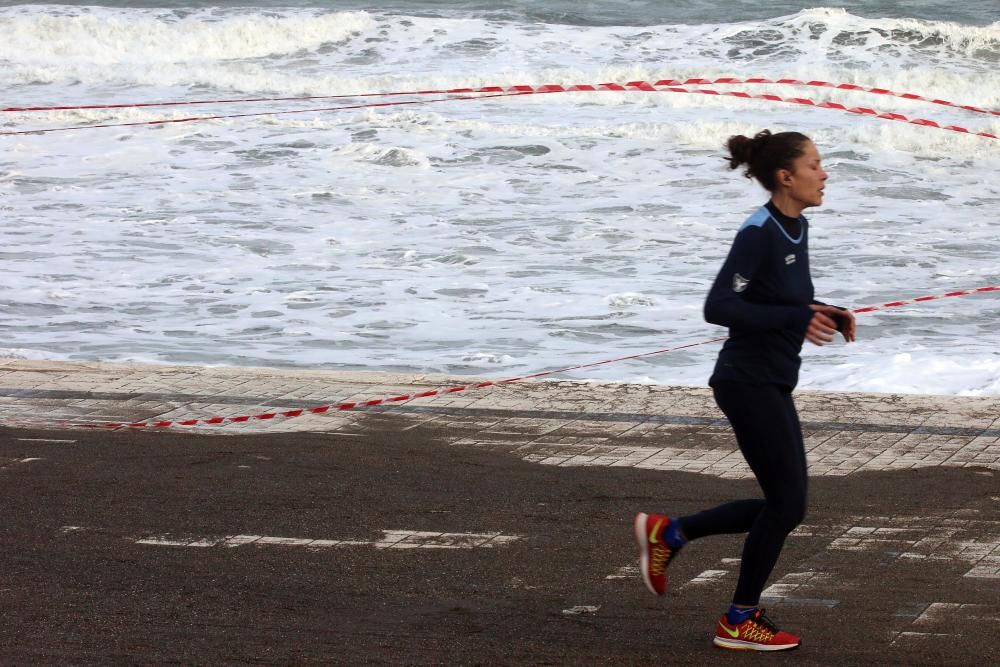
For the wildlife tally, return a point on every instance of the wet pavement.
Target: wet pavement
(489, 526)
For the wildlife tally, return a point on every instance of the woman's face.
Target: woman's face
(805, 182)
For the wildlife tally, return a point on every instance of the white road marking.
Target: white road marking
(927, 539)
(581, 609)
(914, 635)
(166, 543)
(829, 452)
(625, 572)
(44, 440)
(795, 587)
(944, 612)
(632, 571)
(707, 577)
(391, 539)
(943, 615)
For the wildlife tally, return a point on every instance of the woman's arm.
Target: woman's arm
(727, 305)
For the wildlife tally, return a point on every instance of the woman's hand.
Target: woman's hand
(828, 319)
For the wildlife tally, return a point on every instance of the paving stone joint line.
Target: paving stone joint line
(680, 420)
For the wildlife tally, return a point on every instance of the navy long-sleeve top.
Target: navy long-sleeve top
(762, 294)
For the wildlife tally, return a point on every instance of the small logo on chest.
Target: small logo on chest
(790, 259)
(740, 283)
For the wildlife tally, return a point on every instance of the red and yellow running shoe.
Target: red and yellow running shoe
(757, 633)
(654, 553)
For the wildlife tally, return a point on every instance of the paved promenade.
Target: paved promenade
(488, 526)
(551, 423)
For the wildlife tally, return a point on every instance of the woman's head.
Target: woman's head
(787, 164)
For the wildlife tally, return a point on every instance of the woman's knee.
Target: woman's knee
(791, 513)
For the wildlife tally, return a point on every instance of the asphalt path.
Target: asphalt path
(91, 571)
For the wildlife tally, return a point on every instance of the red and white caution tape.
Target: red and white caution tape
(921, 299)
(216, 421)
(254, 115)
(632, 85)
(865, 111)
(826, 84)
(513, 91)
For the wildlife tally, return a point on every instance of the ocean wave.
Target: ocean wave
(28, 354)
(99, 36)
(837, 34)
(386, 156)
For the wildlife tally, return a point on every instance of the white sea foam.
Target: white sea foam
(498, 236)
(629, 299)
(99, 36)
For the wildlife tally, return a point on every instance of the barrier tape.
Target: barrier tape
(539, 90)
(833, 105)
(921, 299)
(253, 115)
(641, 85)
(213, 421)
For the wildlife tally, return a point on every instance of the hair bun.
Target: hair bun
(761, 138)
(741, 150)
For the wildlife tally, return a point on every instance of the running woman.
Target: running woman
(764, 294)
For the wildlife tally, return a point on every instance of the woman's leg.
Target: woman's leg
(770, 438)
(738, 516)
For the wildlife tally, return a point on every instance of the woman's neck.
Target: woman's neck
(790, 207)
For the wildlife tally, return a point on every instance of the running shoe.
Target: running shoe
(654, 553)
(757, 633)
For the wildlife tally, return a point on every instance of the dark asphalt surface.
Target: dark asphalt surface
(91, 595)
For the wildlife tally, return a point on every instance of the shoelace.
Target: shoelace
(764, 621)
(658, 559)
(761, 628)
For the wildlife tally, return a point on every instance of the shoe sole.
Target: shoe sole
(639, 527)
(740, 645)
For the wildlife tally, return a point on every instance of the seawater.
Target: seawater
(491, 237)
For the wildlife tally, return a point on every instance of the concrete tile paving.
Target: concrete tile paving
(562, 423)
(364, 538)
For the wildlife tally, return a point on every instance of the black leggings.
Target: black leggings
(770, 437)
